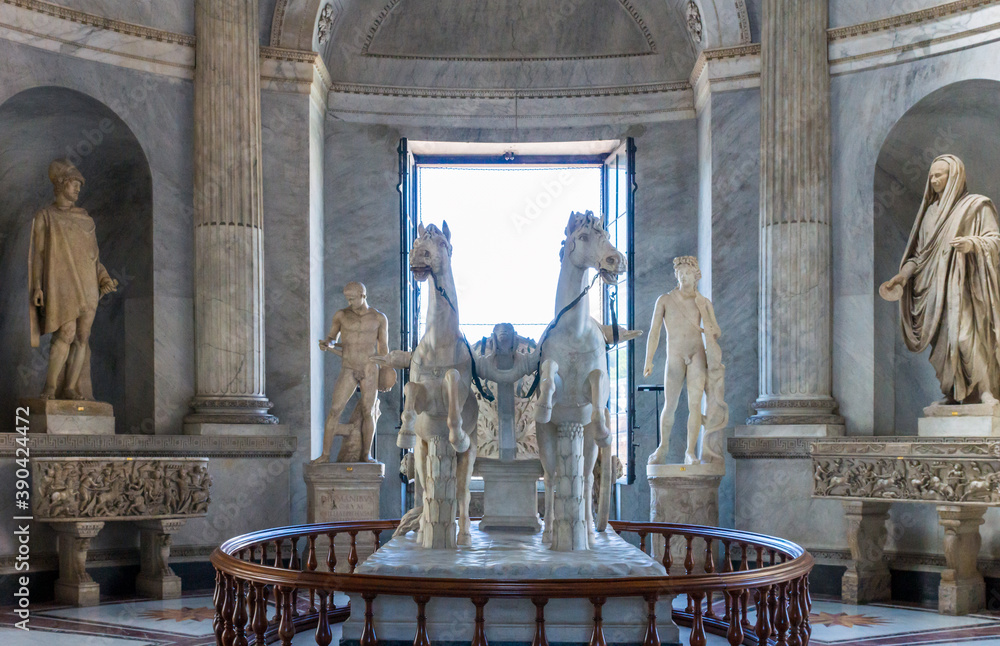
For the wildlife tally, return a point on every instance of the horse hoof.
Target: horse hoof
(462, 444)
(407, 422)
(406, 440)
(465, 539)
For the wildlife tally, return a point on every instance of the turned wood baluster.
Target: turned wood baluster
(805, 607)
(240, 617)
(539, 639)
(277, 595)
(295, 564)
(323, 634)
(260, 615)
(228, 608)
(709, 569)
(652, 634)
(668, 558)
(479, 636)
(421, 638)
(331, 556)
(286, 629)
(727, 566)
(772, 606)
(352, 558)
(794, 615)
(376, 534)
(251, 603)
(218, 599)
(368, 637)
(763, 628)
(698, 637)
(689, 565)
(781, 616)
(642, 541)
(744, 594)
(311, 565)
(735, 634)
(597, 639)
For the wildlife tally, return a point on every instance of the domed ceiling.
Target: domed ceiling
(509, 44)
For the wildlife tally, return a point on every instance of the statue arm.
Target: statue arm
(37, 257)
(710, 324)
(382, 342)
(654, 335)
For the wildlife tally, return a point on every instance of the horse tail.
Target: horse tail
(604, 493)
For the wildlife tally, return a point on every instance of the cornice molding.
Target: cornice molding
(500, 93)
(109, 24)
(249, 446)
(906, 19)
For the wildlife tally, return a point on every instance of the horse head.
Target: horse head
(588, 245)
(431, 252)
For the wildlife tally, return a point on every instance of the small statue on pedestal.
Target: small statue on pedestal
(693, 354)
(948, 287)
(66, 280)
(503, 364)
(358, 333)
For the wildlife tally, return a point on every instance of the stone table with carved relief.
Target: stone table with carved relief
(960, 476)
(77, 496)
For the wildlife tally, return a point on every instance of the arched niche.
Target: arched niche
(962, 119)
(46, 123)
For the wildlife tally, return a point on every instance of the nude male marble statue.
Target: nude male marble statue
(66, 280)
(693, 354)
(948, 286)
(358, 333)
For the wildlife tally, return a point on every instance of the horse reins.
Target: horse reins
(483, 390)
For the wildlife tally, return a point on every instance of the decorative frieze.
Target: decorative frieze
(78, 489)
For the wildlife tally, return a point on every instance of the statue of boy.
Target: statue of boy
(688, 317)
(948, 286)
(357, 333)
(66, 280)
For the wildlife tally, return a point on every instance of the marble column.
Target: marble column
(962, 588)
(794, 312)
(867, 577)
(228, 235)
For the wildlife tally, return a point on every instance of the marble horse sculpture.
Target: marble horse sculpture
(439, 410)
(572, 419)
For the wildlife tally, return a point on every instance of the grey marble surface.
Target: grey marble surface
(510, 555)
(169, 15)
(852, 12)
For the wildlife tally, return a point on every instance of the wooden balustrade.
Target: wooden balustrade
(775, 581)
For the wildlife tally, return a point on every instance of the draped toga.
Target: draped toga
(63, 262)
(952, 302)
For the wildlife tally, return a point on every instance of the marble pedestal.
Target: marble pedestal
(342, 491)
(69, 417)
(74, 586)
(867, 577)
(499, 555)
(683, 493)
(790, 430)
(962, 589)
(965, 420)
(212, 428)
(510, 494)
(156, 580)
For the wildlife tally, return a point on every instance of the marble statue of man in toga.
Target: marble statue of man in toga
(948, 286)
(66, 281)
(357, 333)
(687, 317)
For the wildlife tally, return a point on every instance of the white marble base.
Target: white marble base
(203, 428)
(342, 491)
(69, 417)
(681, 470)
(685, 494)
(958, 426)
(510, 494)
(507, 556)
(790, 430)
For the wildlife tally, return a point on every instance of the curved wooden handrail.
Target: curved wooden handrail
(798, 564)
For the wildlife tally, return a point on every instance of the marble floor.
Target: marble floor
(188, 622)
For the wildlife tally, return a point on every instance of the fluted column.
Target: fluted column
(228, 233)
(795, 324)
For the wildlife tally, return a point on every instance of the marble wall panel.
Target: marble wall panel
(156, 112)
(852, 12)
(169, 15)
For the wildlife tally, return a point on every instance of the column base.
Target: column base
(219, 429)
(510, 494)
(342, 491)
(78, 594)
(229, 411)
(69, 417)
(790, 430)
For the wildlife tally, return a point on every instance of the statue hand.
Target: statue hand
(108, 285)
(647, 369)
(38, 298)
(962, 244)
(892, 289)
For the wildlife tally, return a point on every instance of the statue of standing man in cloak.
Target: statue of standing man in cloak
(948, 286)
(66, 281)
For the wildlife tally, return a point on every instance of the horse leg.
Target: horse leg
(455, 402)
(545, 436)
(414, 403)
(466, 462)
(598, 382)
(549, 371)
(589, 460)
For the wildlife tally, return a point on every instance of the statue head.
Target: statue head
(66, 180)
(504, 338)
(945, 181)
(356, 295)
(938, 176)
(588, 245)
(687, 271)
(431, 252)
